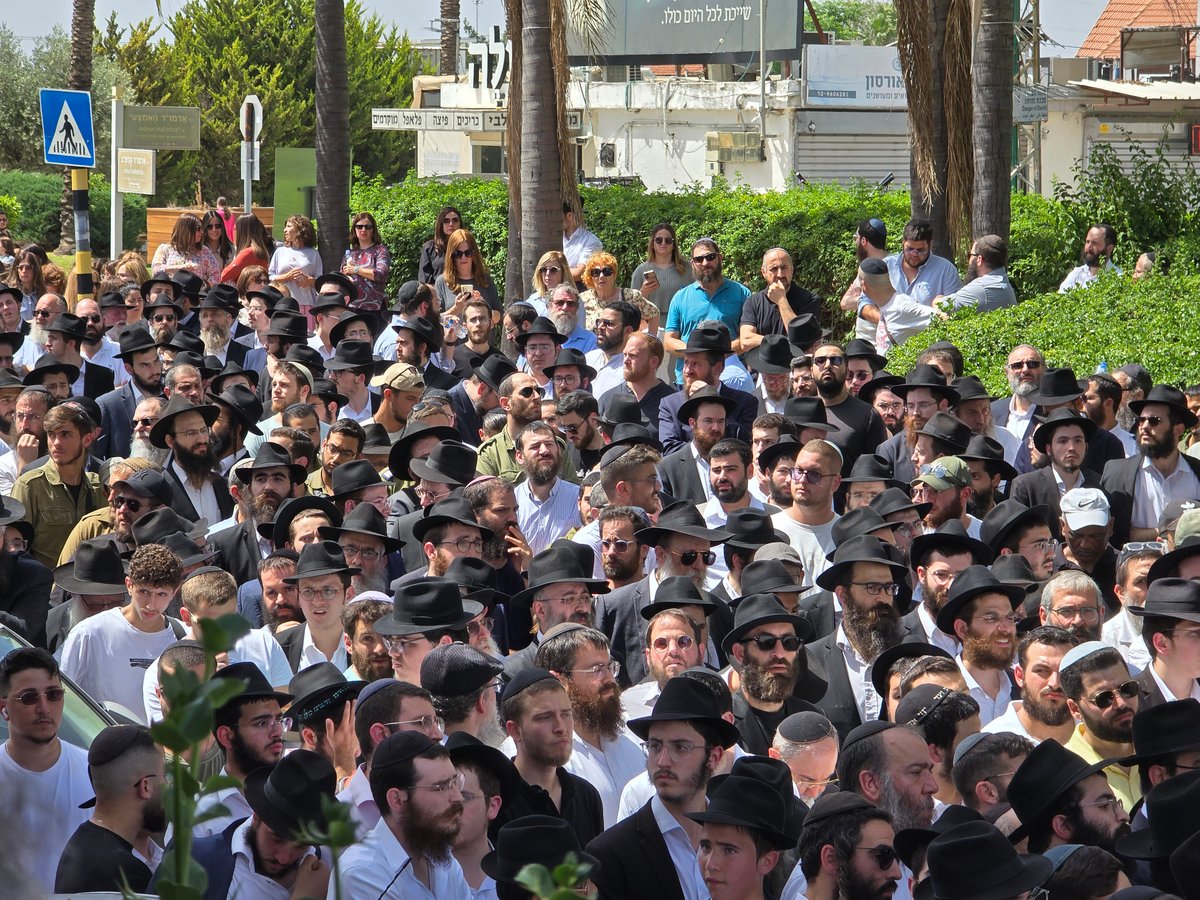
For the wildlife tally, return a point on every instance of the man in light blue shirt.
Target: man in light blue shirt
(710, 296)
(1097, 254)
(987, 286)
(916, 271)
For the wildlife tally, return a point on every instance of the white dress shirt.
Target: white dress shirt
(379, 868)
(1152, 491)
(1018, 422)
(858, 670)
(1167, 693)
(683, 854)
(989, 708)
(1008, 721)
(936, 636)
(311, 654)
(1122, 633)
(609, 371)
(248, 884)
(608, 769)
(203, 500)
(232, 799)
(703, 468)
(357, 795)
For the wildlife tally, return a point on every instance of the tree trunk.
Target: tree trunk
(449, 41)
(541, 172)
(514, 284)
(79, 78)
(929, 200)
(991, 210)
(333, 132)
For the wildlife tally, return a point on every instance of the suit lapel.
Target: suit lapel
(654, 846)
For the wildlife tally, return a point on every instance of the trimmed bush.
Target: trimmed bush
(38, 196)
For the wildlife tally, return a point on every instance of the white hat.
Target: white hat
(1085, 508)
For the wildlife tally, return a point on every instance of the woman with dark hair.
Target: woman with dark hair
(186, 250)
(216, 237)
(433, 251)
(464, 277)
(254, 247)
(27, 277)
(664, 272)
(367, 263)
(296, 263)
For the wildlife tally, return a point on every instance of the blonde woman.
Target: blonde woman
(552, 269)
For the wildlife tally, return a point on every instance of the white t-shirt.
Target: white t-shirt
(108, 658)
(41, 810)
(812, 542)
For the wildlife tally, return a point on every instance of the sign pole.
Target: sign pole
(116, 211)
(83, 238)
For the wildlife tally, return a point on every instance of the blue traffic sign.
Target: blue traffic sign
(67, 135)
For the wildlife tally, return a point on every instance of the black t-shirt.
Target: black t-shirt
(760, 312)
(770, 721)
(862, 430)
(96, 859)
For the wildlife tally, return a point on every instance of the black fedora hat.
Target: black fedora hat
(271, 456)
(363, 519)
(942, 426)
(327, 303)
(1168, 396)
(705, 394)
(747, 802)
(751, 529)
(895, 500)
(350, 355)
(990, 452)
(969, 387)
(161, 301)
(493, 370)
(675, 592)
(1171, 598)
(541, 327)
(925, 376)
(584, 553)
(1007, 515)
(451, 462)
(244, 404)
(808, 412)
(763, 609)
(863, 349)
(220, 296)
(863, 520)
(189, 284)
(337, 334)
(557, 565)
(50, 365)
(866, 548)
(774, 355)
(95, 569)
(426, 331)
(1168, 564)
(770, 576)
(160, 278)
(1165, 729)
(883, 379)
(1013, 568)
(908, 840)
(476, 578)
(165, 521)
(1060, 418)
(68, 325)
(884, 662)
(686, 700)
(185, 342)
(269, 295)
(277, 531)
(376, 440)
(229, 370)
(708, 339)
(348, 288)
(448, 511)
(177, 406)
(623, 409)
(321, 558)
(14, 339)
(570, 356)
(353, 476)
(533, 840)
(429, 604)
(256, 686)
(804, 331)
(976, 860)
(950, 538)
(326, 390)
(1048, 772)
(400, 456)
(681, 517)
(207, 366)
(288, 325)
(872, 467)
(316, 688)
(972, 582)
(775, 774)
(10, 510)
(1171, 810)
(785, 446)
(289, 796)
(627, 434)
(464, 747)
(1056, 386)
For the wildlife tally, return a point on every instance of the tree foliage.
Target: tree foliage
(869, 21)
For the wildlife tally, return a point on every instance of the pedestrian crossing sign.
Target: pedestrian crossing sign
(67, 135)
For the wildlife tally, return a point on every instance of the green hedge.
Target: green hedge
(39, 196)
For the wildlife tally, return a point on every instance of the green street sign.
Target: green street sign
(162, 127)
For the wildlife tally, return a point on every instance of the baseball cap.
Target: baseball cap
(1085, 508)
(401, 377)
(1187, 526)
(1169, 518)
(943, 473)
(150, 483)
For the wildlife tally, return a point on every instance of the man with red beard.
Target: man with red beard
(1041, 713)
(945, 484)
(867, 578)
(938, 558)
(547, 505)
(603, 752)
(924, 393)
(369, 658)
(263, 485)
(980, 612)
(408, 853)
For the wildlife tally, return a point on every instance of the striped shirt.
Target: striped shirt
(543, 523)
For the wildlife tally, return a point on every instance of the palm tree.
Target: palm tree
(449, 41)
(333, 131)
(991, 210)
(79, 78)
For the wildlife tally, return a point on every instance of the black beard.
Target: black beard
(6, 424)
(768, 687)
(1089, 835)
(195, 465)
(430, 837)
(620, 569)
(1114, 734)
(219, 444)
(979, 504)
(154, 816)
(494, 545)
(828, 389)
(852, 886)
(1088, 258)
(541, 471)
(732, 493)
(683, 788)
(781, 496)
(252, 840)
(932, 599)
(596, 712)
(243, 756)
(147, 388)
(612, 339)
(1158, 449)
(871, 631)
(1044, 711)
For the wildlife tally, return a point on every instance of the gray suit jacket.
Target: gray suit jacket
(618, 615)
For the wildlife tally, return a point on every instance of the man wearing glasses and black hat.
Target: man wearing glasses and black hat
(703, 360)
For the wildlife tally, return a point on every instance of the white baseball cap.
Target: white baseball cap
(1085, 508)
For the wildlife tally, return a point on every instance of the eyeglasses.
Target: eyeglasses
(465, 545)
(134, 504)
(602, 271)
(921, 406)
(664, 241)
(905, 528)
(766, 642)
(828, 360)
(351, 550)
(465, 253)
(1046, 545)
(889, 407)
(812, 476)
(425, 722)
(917, 251)
(704, 258)
(531, 390)
(885, 857)
(531, 348)
(477, 627)
(677, 750)
(427, 494)
(454, 783)
(688, 557)
(327, 594)
(857, 376)
(1087, 613)
(607, 323)
(550, 270)
(1105, 699)
(31, 696)
(618, 545)
(566, 379)
(397, 644)
(612, 667)
(1107, 805)
(875, 588)
(662, 644)
(192, 433)
(1152, 421)
(1025, 364)
(162, 318)
(264, 723)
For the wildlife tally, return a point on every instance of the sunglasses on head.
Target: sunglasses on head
(1105, 699)
(766, 642)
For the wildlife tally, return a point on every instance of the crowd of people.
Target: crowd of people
(663, 576)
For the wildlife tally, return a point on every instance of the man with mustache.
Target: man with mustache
(64, 340)
(939, 557)
(842, 851)
(142, 377)
(1041, 713)
(547, 505)
(185, 430)
(1097, 252)
(1063, 438)
(924, 393)
(1023, 369)
(49, 307)
(946, 487)
(889, 766)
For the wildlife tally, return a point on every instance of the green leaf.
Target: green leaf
(220, 783)
(169, 735)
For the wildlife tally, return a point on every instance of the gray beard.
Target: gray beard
(214, 339)
(564, 323)
(38, 334)
(1025, 388)
(141, 448)
(1127, 418)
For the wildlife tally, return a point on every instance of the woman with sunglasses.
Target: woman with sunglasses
(367, 263)
(254, 247)
(433, 251)
(217, 237)
(465, 276)
(600, 276)
(664, 272)
(186, 250)
(549, 274)
(27, 278)
(296, 262)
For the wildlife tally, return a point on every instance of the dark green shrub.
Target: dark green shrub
(40, 194)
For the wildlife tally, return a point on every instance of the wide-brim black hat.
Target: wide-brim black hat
(1007, 515)
(321, 558)
(207, 366)
(288, 795)
(428, 332)
(747, 803)
(708, 339)
(950, 538)
(681, 517)
(244, 404)
(353, 476)
(1057, 386)
(1168, 396)
(990, 451)
(541, 327)
(277, 530)
(706, 394)
(177, 406)
(785, 446)
(855, 523)
(972, 582)
(895, 500)
(975, 860)
(925, 376)
(884, 662)
(805, 330)
(1169, 562)
(95, 570)
(1048, 772)
(1171, 598)
(557, 565)
(1044, 433)
(189, 284)
(317, 687)
(400, 456)
(774, 355)
(969, 387)
(449, 511)
(451, 462)
(271, 456)
(686, 700)
(808, 412)
(872, 467)
(425, 605)
(50, 365)
(476, 578)
(868, 389)
(162, 301)
(570, 356)
(627, 434)
(348, 287)
(269, 295)
(675, 592)
(770, 576)
(351, 355)
(623, 408)
(465, 747)
(256, 687)
(337, 334)
(866, 548)
(908, 840)
(132, 340)
(363, 519)
(751, 529)
(229, 370)
(942, 426)
(863, 349)
(10, 510)
(763, 609)
(288, 325)
(493, 370)
(1164, 729)
(533, 840)
(157, 279)
(1171, 811)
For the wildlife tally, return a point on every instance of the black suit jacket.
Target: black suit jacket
(466, 420)
(618, 614)
(1119, 481)
(26, 594)
(292, 642)
(239, 551)
(634, 861)
(680, 477)
(1148, 691)
(754, 738)
(817, 605)
(737, 424)
(1040, 487)
(116, 422)
(97, 380)
(897, 452)
(437, 377)
(183, 504)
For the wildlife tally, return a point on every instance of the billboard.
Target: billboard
(693, 31)
(853, 77)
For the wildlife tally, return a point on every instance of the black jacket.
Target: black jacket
(838, 704)
(97, 380)
(240, 553)
(581, 807)
(466, 420)
(1149, 693)
(116, 422)
(737, 424)
(26, 594)
(680, 476)
(1119, 481)
(634, 861)
(618, 614)
(183, 504)
(754, 738)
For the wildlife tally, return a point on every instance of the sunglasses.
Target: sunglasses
(93, 318)
(1152, 421)
(362, 226)
(812, 476)
(704, 258)
(618, 545)
(531, 391)
(602, 271)
(550, 270)
(30, 697)
(463, 254)
(664, 241)
(134, 504)
(689, 557)
(1105, 699)
(164, 318)
(885, 857)
(766, 642)
(1025, 364)
(146, 422)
